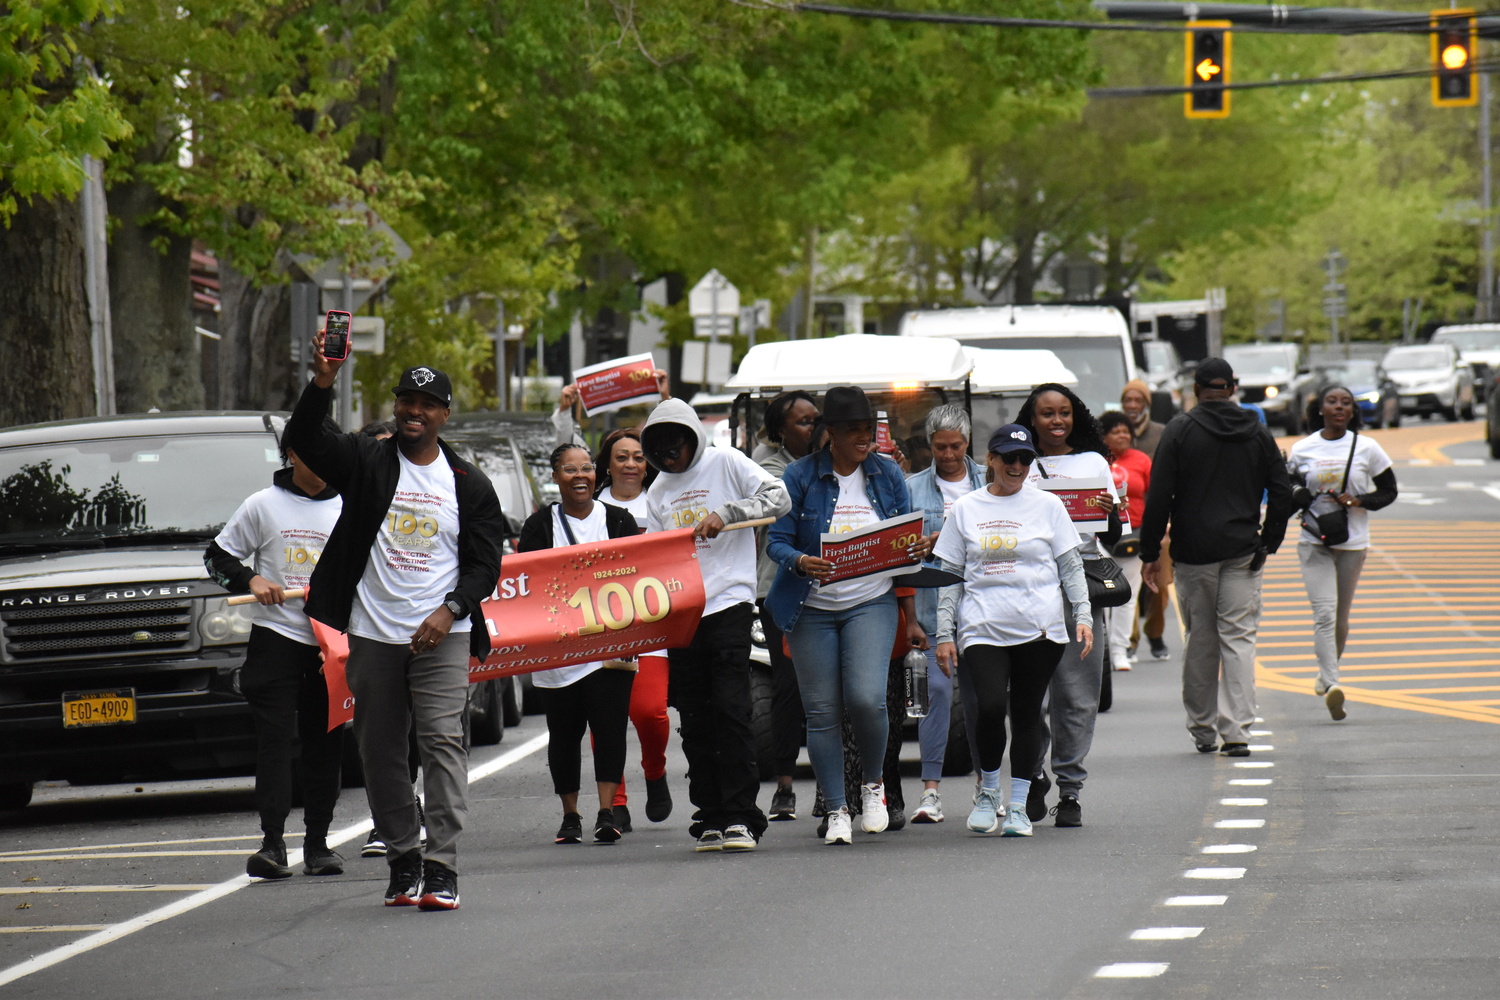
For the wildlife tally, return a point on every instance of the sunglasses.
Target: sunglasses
(1018, 457)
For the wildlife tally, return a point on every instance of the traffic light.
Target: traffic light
(1207, 70)
(1453, 44)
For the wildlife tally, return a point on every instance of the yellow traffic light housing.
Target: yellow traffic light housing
(1454, 40)
(1206, 69)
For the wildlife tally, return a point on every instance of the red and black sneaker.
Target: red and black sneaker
(405, 887)
(439, 887)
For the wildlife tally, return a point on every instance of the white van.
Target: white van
(1092, 341)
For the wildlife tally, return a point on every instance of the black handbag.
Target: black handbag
(1128, 546)
(1332, 526)
(1108, 587)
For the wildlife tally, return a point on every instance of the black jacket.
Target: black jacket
(536, 533)
(1210, 469)
(366, 472)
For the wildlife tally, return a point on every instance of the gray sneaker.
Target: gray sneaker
(738, 838)
(930, 808)
(710, 840)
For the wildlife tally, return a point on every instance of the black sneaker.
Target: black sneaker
(571, 831)
(622, 819)
(1036, 798)
(783, 804)
(895, 817)
(605, 831)
(1207, 747)
(439, 887)
(1158, 647)
(319, 859)
(1234, 750)
(270, 861)
(405, 887)
(658, 799)
(374, 845)
(1068, 811)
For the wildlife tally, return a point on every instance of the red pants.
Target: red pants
(648, 711)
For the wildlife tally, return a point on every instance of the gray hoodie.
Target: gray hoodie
(720, 481)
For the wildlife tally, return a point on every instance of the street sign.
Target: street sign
(366, 278)
(710, 327)
(1206, 69)
(714, 295)
(697, 353)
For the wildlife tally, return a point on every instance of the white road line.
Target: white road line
(1468, 461)
(1254, 763)
(115, 932)
(1229, 848)
(54, 929)
(1261, 748)
(1214, 873)
(1493, 491)
(138, 843)
(1239, 824)
(123, 854)
(1261, 732)
(1250, 781)
(27, 890)
(1242, 802)
(1165, 933)
(1132, 970)
(1196, 901)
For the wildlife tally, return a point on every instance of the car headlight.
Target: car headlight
(1368, 397)
(1272, 392)
(222, 625)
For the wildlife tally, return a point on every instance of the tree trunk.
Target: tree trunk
(1024, 277)
(255, 352)
(44, 316)
(150, 300)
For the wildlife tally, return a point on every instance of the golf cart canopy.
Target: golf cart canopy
(870, 361)
(997, 370)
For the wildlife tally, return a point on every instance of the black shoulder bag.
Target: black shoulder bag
(1108, 587)
(1326, 517)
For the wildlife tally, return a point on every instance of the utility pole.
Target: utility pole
(1484, 305)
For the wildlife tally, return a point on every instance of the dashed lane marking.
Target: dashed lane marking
(1132, 970)
(1197, 901)
(1165, 933)
(27, 890)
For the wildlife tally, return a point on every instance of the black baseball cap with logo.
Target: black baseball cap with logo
(429, 380)
(1213, 370)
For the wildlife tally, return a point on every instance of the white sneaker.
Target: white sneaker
(1017, 823)
(931, 808)
(875, 818)
(840, 827)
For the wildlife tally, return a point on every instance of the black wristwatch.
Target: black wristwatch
(455, 607)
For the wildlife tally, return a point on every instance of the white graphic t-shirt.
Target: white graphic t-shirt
(636, 506)
(1321, 463)
(414, 562)
(588, 529)
(682, 499)
(852, 510)
(952, 491)
(1079, 465)
(281, 536)
(1008, 547)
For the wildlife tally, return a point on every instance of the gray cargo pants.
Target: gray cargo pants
(391, 685)
(1220, 607)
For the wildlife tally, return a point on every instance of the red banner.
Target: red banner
(876, 548)
(610, 385)
(600, 601)
(1081, 498)
(335, 646)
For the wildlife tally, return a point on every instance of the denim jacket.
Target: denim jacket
(814, 490)
(927, 497)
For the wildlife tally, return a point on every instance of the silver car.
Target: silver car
(1431, 378)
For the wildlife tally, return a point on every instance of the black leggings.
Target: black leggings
(600, 703)
(1019, 674)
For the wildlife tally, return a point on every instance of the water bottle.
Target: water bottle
(914, 667)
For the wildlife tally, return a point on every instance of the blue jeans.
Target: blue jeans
(842, 660)
(932, 731)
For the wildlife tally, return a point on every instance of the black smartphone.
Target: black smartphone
(336, 335)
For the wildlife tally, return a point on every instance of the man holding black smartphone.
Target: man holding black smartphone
(1211, 468)
(414, 552)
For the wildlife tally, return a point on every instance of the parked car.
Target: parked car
(1478, 344)
(1272, 378)
(1432, 378)
(1375, 394)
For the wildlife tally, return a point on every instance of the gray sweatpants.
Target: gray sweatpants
(391, 685)
(1331, 576)
(1072, 708)
(1220, 607)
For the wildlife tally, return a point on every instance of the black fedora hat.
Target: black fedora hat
(846, 403)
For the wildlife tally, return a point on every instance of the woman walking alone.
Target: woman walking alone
(1338, 469)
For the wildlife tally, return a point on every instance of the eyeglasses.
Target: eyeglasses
(576, 470)
(1021, 457)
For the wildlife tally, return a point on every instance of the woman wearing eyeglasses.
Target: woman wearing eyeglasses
(585, 696)
(1004, 628)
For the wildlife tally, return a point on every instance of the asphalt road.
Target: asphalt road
(1351, 859)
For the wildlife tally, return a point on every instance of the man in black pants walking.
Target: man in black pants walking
(414, 552)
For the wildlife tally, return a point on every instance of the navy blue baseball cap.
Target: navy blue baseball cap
(1012, 438)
